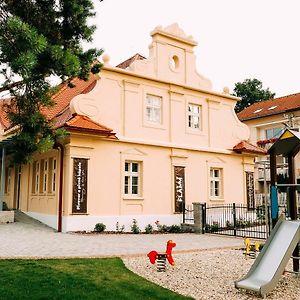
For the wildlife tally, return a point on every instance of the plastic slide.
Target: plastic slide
(271, 261)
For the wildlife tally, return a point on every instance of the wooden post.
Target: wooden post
(293, 205)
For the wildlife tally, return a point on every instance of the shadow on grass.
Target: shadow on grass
(76, 279)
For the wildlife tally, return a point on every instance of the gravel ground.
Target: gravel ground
(210, 275)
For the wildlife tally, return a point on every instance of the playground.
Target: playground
(210, 274)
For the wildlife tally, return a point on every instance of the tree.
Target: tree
(251, 91)
(40, 38)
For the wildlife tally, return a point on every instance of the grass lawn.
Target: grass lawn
(75, 279)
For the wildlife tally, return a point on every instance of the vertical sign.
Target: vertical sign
(79, 203)
(179, 189)
(250, 190)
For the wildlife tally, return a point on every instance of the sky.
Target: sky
(237, 39)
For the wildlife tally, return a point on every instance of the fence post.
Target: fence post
(198, 217)
(234, 218)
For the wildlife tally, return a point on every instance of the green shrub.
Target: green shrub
(99, 227)
(174, 229)
(149, 229)
(135, 227)
(214, 227)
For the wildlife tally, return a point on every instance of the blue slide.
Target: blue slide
(271, 261)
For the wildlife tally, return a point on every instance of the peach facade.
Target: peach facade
(167, 119)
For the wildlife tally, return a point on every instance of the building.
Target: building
(145, 139)
(267, 121)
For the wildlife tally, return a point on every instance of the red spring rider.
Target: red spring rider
(162, 256)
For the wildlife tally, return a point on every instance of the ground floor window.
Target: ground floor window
(132, 178)
(215, 182)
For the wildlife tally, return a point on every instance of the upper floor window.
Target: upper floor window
(273, 133)
(132, 178)
(194, 116)
(153, 108)
(215, 182)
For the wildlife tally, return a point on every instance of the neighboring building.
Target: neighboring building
(145, 138)
(267, 120)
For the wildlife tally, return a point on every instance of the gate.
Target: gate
(236, 220)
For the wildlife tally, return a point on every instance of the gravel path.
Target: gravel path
(210, 274)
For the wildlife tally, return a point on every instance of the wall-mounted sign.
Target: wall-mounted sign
(80, 169)
(179, 189)
(250, 190)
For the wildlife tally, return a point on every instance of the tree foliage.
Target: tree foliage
(38, 39)
(251, 91)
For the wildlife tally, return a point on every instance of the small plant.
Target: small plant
(99, 227)
(229, 225)
(119, 229)
(5, 207)
(149, 229)
(161, 228)
(207, 228)
(135, 227)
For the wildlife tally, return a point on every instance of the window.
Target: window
(273, 133)
(53, 179)
(194, 115)
(153, 108)
(45, 176)
(7, 180)
(36, 177)
(215, 182)
(132, 178)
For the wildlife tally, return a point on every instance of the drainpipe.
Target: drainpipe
(60, 194)
(2, 179)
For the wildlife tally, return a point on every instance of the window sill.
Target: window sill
(133, 198)
(154, 125)
(217, 199)
(194, 131)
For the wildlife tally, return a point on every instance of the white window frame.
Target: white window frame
(215, 183)
(193, 115)
(130, 174)
(153, 109)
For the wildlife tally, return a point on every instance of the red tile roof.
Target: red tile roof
(270, 107)
(125, 64)
(4, 121)
(84, 123)
(65, 94)
(247, 147)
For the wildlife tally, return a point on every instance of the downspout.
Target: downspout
(2, 179)
(60, 193)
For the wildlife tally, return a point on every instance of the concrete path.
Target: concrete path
(29, 238)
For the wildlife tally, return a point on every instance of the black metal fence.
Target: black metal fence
(237, 220)
(234, 219)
